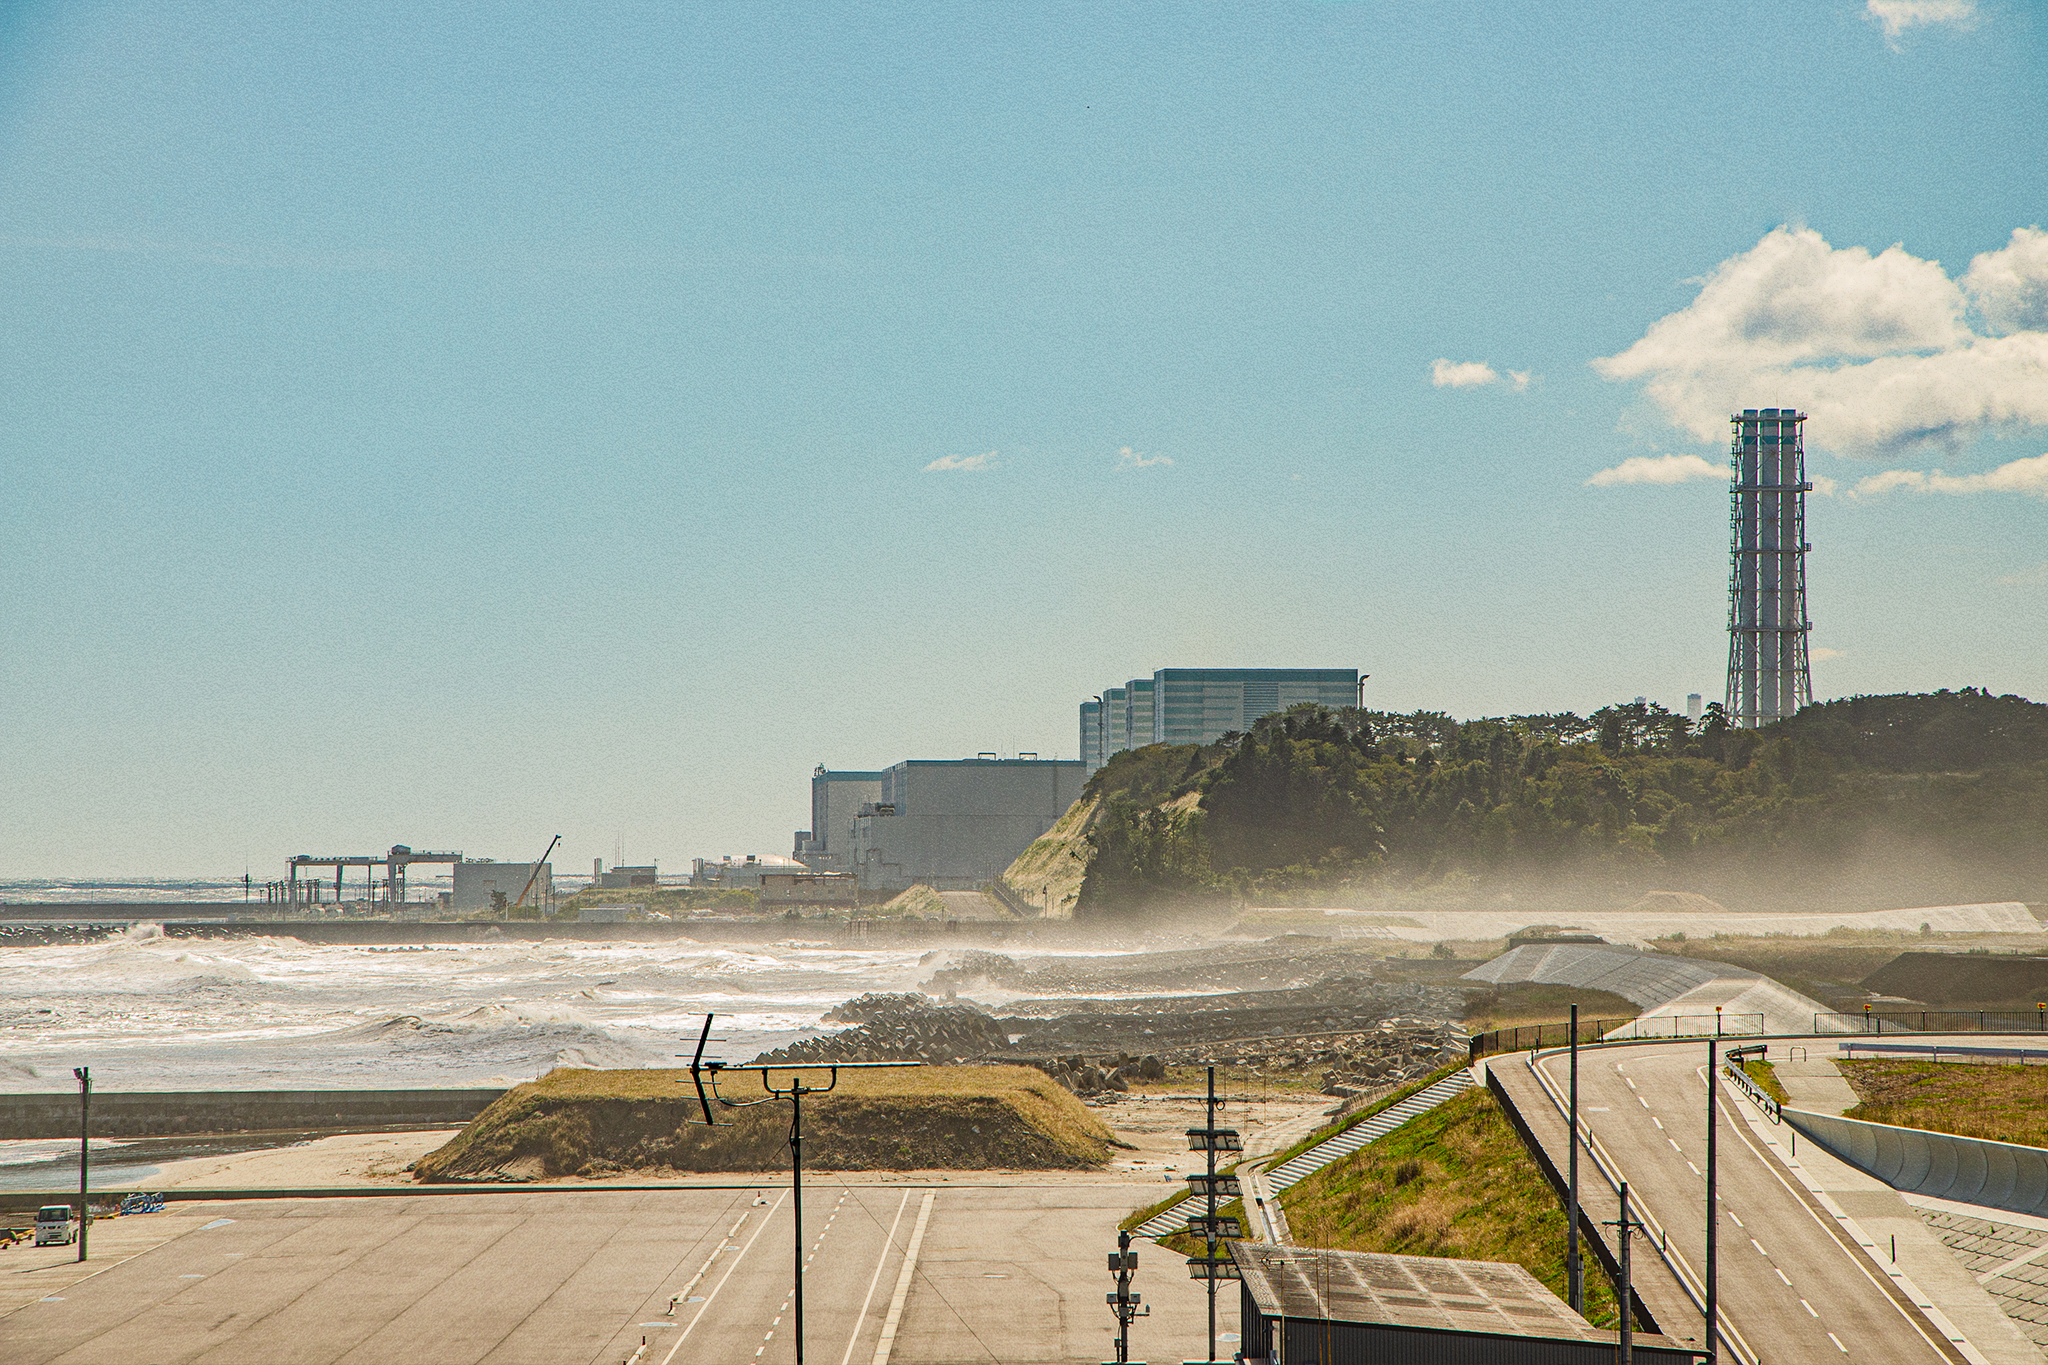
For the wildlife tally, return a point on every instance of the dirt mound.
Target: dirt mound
(1976, 980)
(596, 1123)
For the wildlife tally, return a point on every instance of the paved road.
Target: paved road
(1793, 1285)
(1001, 1274)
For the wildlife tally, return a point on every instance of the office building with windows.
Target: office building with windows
(1201, 705)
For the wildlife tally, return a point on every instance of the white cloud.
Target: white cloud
(1468, 374)
(1876, 349)
(2018, 476)
(1658, 469)
(1822, 654)
(1131, 459)
(1519, 379)
(1899, 15)
(966, 462)
(2010, 285)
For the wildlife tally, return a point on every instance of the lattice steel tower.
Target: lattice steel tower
(1768, 673)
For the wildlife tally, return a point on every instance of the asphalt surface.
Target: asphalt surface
(1009, 1273)
(1794, 1287)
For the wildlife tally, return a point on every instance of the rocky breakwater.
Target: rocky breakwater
(899, 1028)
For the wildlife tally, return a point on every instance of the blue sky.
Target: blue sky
(456, 425)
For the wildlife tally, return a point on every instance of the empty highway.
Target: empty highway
(1795, 1289)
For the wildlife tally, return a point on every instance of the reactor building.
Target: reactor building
(1769, 676)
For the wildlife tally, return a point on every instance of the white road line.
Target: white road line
(1838, 1343)
(1809, 1309)
(1697, 1171)
(1643, 1102)
(703, 1307)
(1675, 1147)
(888, 1341)
(1733, 1219)
(1759, 1247)
(888, 1245)
(1781, 1275)
(1659, 1122)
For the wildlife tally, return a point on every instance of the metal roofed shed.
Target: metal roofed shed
(1302, 1305)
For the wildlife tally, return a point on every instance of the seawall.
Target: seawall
(156, 1113)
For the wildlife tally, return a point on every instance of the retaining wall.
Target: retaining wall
(1999, 1175)
(156, 1113)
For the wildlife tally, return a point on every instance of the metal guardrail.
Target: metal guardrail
(2024, 1056)
(1935, 1021)
(1758, 1096)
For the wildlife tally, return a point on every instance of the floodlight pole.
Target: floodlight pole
(1209, 1122)
(1574, 1271)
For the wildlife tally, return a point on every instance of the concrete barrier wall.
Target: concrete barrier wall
(1999, 1175)
(161, 1112)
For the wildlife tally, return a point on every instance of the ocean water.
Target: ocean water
(148, 1012)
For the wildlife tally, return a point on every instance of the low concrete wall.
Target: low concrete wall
(1999, 1175)
(155, 1113)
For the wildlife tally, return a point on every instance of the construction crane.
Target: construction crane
(528, 889)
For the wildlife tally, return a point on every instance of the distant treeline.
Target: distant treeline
(1314, 798)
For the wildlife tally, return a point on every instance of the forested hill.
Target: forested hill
(1894, 800)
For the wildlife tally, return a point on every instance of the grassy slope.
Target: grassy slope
(2002, 1103)
(1766, 1075)
(585, 1122)
(1455, 1181)
(1050, 871)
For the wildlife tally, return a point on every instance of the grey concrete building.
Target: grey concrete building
(836, 797)
(955, 824)
(475, 881)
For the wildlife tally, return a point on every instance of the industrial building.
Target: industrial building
(799, 891)
(621, 878)
(836, 797)
(1769, 676)
(476, 880)
(1354, 1307)
(1201, 705)
(729, 873)
(956, 824)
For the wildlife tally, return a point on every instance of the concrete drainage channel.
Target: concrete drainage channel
(1305, 1164)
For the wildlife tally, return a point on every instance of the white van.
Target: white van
(54, 1227)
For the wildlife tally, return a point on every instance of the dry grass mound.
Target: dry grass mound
(2000, 1103)
(581, 1122)
(919, 900)
(1455, 1181)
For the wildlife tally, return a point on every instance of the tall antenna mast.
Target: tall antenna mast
(1769, 676)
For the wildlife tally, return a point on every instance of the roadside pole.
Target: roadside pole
(84, 1074)
(1575, 1275)
(1628, 1341)
(1713, 1200)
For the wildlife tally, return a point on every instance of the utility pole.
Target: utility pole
(1574, 1271)
(1713, 1202)
(1625, 1225)
(1209, 1224)
(84, 1074)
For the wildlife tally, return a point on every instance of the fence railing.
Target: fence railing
(1526, 1036)
(1934, 1021)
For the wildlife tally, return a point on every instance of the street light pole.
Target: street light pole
(84, 1074)
(1713, 1273)
(1575, 1279)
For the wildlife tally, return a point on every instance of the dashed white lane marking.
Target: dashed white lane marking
(1733, 1219)
(1675, 1147)
(1809, 1309)
(1759, 1247)
(705, 1306)
(1838, 1343)
(1781, 1275)
(1696, 1170)
(1659, 1122)
(1643, 1102)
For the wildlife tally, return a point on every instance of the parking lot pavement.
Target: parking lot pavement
(1002, 1273)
